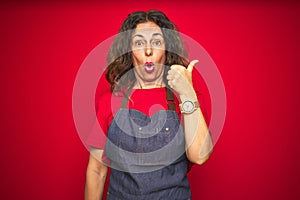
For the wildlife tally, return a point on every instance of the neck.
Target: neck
(149, 85)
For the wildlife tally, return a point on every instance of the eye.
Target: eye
(156, 43)
(139, 43)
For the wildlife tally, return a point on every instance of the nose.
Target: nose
(148, 51)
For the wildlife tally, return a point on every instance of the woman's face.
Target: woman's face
(148, 52)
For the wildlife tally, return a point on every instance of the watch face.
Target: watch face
(188, 106)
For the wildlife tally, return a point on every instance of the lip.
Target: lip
(149, 67)
(149, 63)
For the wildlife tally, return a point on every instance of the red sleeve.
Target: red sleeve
(97, 136)
(102, 88)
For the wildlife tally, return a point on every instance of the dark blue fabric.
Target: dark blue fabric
(147, 156)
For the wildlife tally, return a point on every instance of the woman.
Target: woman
(152, 118)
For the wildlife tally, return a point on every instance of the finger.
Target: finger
(177, 70)
(173, 82)
(191, 65)
(170, 84)
(171, 72)
(177, 76)
(170, 77)
(176, 67)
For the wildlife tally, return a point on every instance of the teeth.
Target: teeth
(149, 67)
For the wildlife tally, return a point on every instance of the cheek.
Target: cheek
(137, 57)
(161, 56)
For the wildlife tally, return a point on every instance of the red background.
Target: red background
(254, 44)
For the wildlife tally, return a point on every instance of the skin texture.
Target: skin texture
(95, 176)
(148, 46)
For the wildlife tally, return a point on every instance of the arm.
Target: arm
(198, 140)
(95, 176)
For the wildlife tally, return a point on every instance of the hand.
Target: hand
(180, 78)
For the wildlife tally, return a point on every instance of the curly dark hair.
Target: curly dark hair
(120, 59)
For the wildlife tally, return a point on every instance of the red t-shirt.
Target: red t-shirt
(148, 101)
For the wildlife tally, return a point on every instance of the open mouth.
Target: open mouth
(149, 67)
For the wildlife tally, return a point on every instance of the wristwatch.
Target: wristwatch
(188, 106)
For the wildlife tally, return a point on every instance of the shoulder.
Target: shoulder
(109, 102)
(102, 100)
(105, 96)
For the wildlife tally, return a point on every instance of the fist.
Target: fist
(180, 78)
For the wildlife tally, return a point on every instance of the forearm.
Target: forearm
(198, 140)
(95, 179)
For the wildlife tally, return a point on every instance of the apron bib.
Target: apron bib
(147, 155)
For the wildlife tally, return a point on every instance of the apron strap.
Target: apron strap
(126, 97)
(169, 94)
(170, 99)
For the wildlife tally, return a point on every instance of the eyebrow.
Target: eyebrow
(154, 34)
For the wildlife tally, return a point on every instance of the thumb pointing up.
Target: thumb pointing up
(191, 65)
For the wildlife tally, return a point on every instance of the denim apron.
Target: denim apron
(147, 155)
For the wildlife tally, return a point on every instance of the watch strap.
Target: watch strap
(196, 106)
